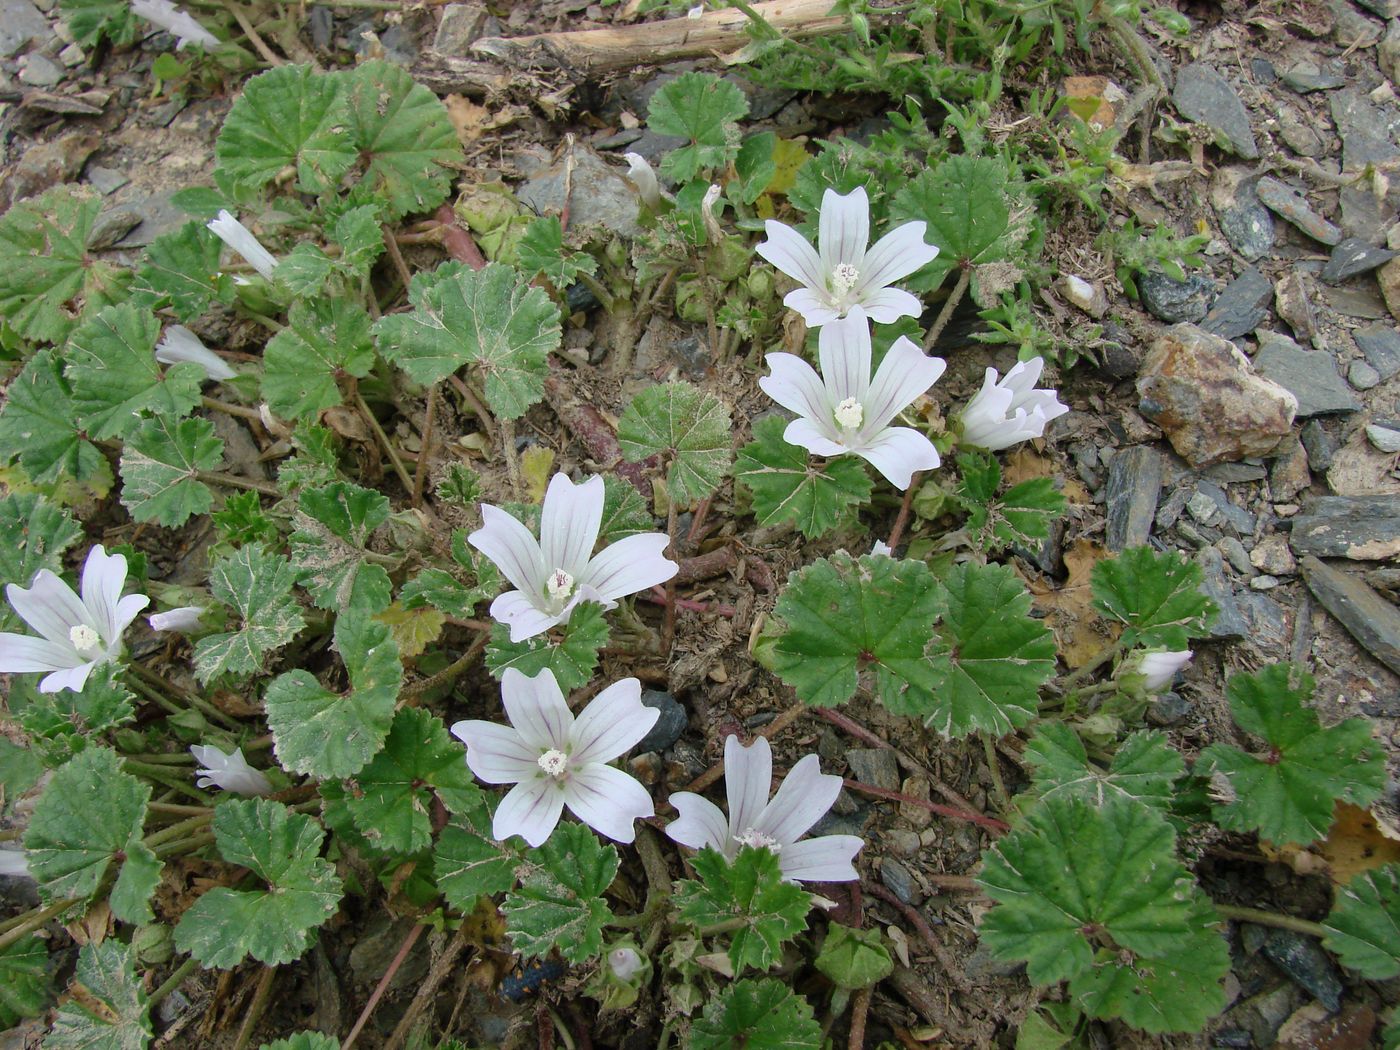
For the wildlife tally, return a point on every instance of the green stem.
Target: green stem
(22, 926)
(233, 481)
(175, 831)
(599, 292)
(173, 981)
(189, 845)
(1103, 656)
(944, 315)
(989, 748)
(1269, 918)
(404, 478)
(162, 775)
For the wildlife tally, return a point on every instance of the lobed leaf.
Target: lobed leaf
(1145, 768)
(110, 1013)
(33, 535)
(468, 863)
(559, 905)
(181, 271)
(749, 891)
(1156, 597)
(1363, 927)
(24, 979)
(572, 657)
(756, 1015)
(704, 109)
(257, 585)
(333, 525)
(688, 427)
(787, 485)
(324, 339)
(160, 466)
(39, 427)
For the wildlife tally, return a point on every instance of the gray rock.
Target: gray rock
(1271, 555)
(898, 881)
(669, 726)
(1309, 375)
(111, 226)
(1242, 307)
(1362, 301)
(1235, 473)
(1229, 622)
(1204, 96)
(1358, 527)
(1168, 709)
(1297, 132)
(21, 24)
(1364, 129)
(1134, 484)
(1363, 375)
(1368, 617)
(1239, 519)
(1267, 623)
(322, 21)
(105, 180)
(1263, 583)
(1289, 474)
(875, 766)
(38, 70)
(1236, 555)
(1172, 506)
(1306, 76)
(1364, 215)
(1247, 224)
(158, 215)
(1320, 446)
(1386, 439)
(1285, 201)
(1293, 301)
(1307, 964)
(1354, 256)
(982, 963)
(1203, 508)
(1384, 8)
(462, 25)
(1176, 301)
(599, 193)
(1381, 345)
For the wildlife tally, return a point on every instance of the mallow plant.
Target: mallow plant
(409, 672)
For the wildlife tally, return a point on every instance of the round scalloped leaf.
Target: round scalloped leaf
(788, 485)
(1363, 927)
(750, 890)
(1156, 597)
(110, 1013)
(560, 904)
(160, 466)
(324, 339)
(33, 535)
(686, 426)
(39, 427)
(756, 1015)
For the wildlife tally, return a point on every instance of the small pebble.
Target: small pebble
(1272, 556)
(1203, 508)
(72, 56)
(1384, 438)
(875, 766)
(1236, 555)
(40, 70)
(898, 881)
(1264, 583)
(1362, 376)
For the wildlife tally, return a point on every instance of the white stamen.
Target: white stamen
(850, 414)
(83, 637)
(758, 840)
(560, 585)
(554, 762)
(843, 279)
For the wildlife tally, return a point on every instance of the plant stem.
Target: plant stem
(256, 1008)
(22, 925)
(420, 473)
(968, 814)
(241, 411)
(173, 981)
(163, 775)
(383, 440)
(902, 519)
(189, 845)
(1269, 918)
(233, 481)
(954, 297)
(989, 748)
(259, 44)
(175, 831)
(447, 675)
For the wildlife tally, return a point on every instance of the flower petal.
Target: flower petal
(904, 374)
(803, 799)
(104, 575)
(827, 858)
(608, 801)
(515, 610)
(897, 452)
(611, 724)
(569, 523)
(789, 251)
(180, 344)
(21, 654)
(888, 305)
(815, 307)
(127, 610)
(511, 547)
(748, 773)
(795, 385)
(49, 606)
(632, 564)
(844, 230)
(844, 349)
(531, 810)
(73, 678)
(1022, 377)
(816, 439)
(184, 619)
(897, 254)
(700, 824)
(497, 754)
(537, 710)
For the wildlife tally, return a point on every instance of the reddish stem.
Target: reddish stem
(458, 240)
(968, 815)
(383, 984)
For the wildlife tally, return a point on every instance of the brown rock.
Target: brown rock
(1388, 277)
(1289, 474)
(1203, 394)
(1310, 1028)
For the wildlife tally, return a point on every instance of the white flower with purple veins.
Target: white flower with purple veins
(845, 409)
(180, 344)
(801, 801)
(1008, 412)
(230, 772)
(555, 759)
(842, 275)
(78, 633)
(174, 21)
(559, 570)
(241, 240)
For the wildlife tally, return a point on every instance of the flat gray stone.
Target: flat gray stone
(1176, 301)
(462, 25)
(898, 881)
(1229, 622)
(1381, 345)
(1309, 375)
(1293, 301)
(105, 180)
(1290, 204)
(1204, 96)
(1363, 375)
(1362, 528)
(1247, 224)
(876, 766)
(599, 194)
(1383, 438)
(1307, 964)
(669, 726)
(38, 70)
(1354, 256)
(1242, 307)
(1368, 617)
(20, 25)
(1320, 446)
(1304, 77)
(1239, 519)
(1134, 484)
(1364, 129)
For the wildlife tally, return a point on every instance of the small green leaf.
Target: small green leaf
(360, 235)
(181, 271)
(275, 925)
(571, 658)
(490, 318)
(39, 427)
(1144, 768)
(788, 485)
(1156, 597)
(560, 905)
(330, 734)
(20, 767)
(55, 722)
(257, 585)
(625, 513)
(750, 891)
(242, 521)
(688, 427)
(704, 109)
(112, 366)
(756, 1015)
(304, 270)
(304, 1041)
(1021, 516)
(91, 21)
(541, 250)
(852, 958)
(1287, 794)
(394, 793)
(334, 524)
(324, 339)
(468, 863)
(1363, 927)
(24, 979)
(289, 117)
(160, 468)
(33, 535)
(111, 1015)
(755, 165)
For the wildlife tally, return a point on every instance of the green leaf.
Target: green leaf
(625, 513)
(111, 1015)
(1363, 927)
(490, 318)
(275, 925)
(324, 339)
(289, 117)
(112, 365)
(47, 281)
(1144, 768)
(560, 905)
(90, 812)
(788, 485)
(304, 270)
(359, 233)
(56, 722)
(242, 521)
(468, 863)
(846, 617)
(33, 535)
(402, 130)
(257, 585)
(91, 21)
(334, 524)
(160, 466)
(1020, 517)
(1287, 794)
(704, 109)
(1155, 596)
(24, 979)
(443, 589)
(755, 165)
(756, 1015)
(572, 658)
(181, 271)
(541, 250)
(39, 427)
(852, 958)
(988, 657)
(687, 426)
(750, 891)
(20, 767)
(330, 734)
(393, 795)
(304, 1041)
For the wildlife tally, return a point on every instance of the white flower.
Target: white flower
(803, 798)
(556, 760)
(184, 619)
(1008, 412)
(625, 963)
(555, 573)
(230, 772)
(174, 21)
(14, 864)
(845, 410)
(180, 344)
(881, 548)
(707, 213)
(644, 178)
(78, 633)
(240, 239)
(1152, 670)
(843, 275)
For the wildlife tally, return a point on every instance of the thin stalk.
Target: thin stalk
(189, 845)
(164, 758)
(902, 519)
(256, 1008)
(944, 315)
(241, 411)
(668, 626)
(383, 440)
(1269, 918)
(259, 44)
(196, 701)
(600, 293)
(383, 984)
(233, 481)
(173, 981)
(989, 748)
(420, 473)
(447, 675)
(23, 925)
(478, 409)
(507, 429)
(162, 775)
(175, 831)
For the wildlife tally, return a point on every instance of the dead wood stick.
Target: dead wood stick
(653, 43)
